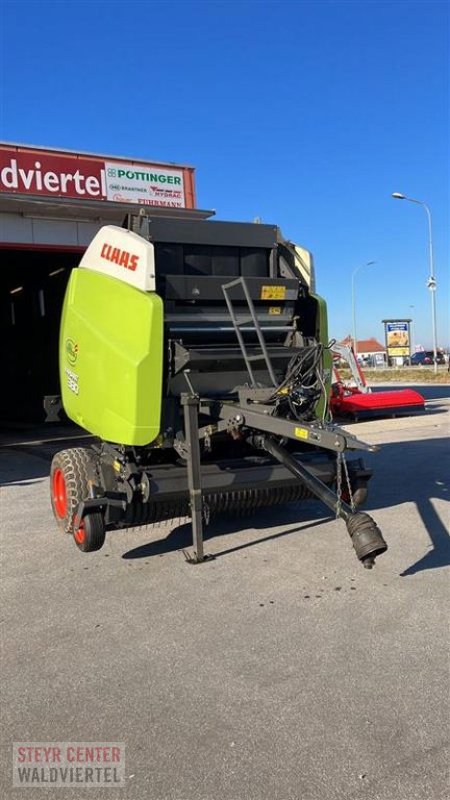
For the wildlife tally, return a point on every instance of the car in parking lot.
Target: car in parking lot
(426, 357)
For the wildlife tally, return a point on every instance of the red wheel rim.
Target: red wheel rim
(59, 493)
(80, 533)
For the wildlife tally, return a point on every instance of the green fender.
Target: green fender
(321, 335)
(111, 358)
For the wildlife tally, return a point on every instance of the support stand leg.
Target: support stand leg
(190, 407)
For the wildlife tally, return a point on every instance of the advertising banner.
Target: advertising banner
(397, 338)
(51, 175)
(150, 186)
(26, 171)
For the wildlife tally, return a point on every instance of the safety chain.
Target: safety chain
(347, 478)
(338, 484)
(341, 463)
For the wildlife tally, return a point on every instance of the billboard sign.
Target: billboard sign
(397, 337)
(45, 173)
(150, 186)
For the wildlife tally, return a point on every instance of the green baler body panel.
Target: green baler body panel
(111, 358)
(321, 335)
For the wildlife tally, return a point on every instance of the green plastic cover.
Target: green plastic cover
(321, 334)
(111, 358)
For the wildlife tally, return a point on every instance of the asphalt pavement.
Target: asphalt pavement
(280, 670)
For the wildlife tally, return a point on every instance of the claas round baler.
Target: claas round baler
(196, 353)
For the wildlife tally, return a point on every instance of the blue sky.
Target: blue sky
(305, 114)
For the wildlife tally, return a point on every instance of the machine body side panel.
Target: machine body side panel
(111, 358)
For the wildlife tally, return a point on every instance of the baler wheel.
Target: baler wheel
(90, 534)
(69, 484)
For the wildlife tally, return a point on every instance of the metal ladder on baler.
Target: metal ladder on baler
(242, 324)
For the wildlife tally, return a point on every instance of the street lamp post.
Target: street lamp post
(411, 345)
(367, 264)
(431, 283)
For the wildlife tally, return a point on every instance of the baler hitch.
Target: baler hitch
(364, 533)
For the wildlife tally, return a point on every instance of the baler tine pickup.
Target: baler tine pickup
(366, 537)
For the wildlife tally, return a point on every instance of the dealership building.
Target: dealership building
(52, 202)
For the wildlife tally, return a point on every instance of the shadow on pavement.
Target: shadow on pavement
(404, 472)
(26, 451)
(416, 472)
(180, 538)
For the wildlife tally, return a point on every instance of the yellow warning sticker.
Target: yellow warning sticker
(273, 292)
(274, 309)
(301, 433)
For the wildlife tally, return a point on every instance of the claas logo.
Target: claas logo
(71, 351)
(121, 257)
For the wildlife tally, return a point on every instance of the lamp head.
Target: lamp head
(398, 196)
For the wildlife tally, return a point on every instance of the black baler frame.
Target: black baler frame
(366, 537)
(263, 432)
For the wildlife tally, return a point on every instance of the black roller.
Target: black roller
(236, 503)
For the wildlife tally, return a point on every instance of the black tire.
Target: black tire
(70, 473)
(90, 535)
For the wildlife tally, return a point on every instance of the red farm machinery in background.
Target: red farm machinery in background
(357, 400)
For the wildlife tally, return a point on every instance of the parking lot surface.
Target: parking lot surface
(280, 670)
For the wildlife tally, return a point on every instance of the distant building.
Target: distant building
(370, 351)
